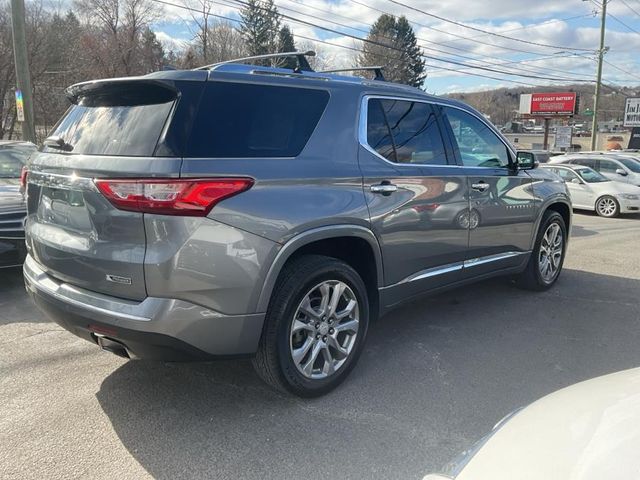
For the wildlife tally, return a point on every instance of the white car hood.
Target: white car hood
(614, 188)
(589, 431)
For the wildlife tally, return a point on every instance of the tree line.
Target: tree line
(115, 38)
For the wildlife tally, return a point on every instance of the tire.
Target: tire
(607, 206)
(536, 275)
(289, 329)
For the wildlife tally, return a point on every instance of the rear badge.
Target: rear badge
(118, 279)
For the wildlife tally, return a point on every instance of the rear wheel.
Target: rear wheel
(315, 327)
(547, 258)
(607, 206)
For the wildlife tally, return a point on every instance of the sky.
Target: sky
(547, 41)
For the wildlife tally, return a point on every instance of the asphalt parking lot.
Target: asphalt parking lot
(435, 376)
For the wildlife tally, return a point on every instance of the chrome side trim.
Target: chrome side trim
(429, 272)
(474, 262)
(456, 266)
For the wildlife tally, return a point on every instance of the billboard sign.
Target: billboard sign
(632, 112)
(550, 104)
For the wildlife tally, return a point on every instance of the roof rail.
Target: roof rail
(303, 64)
(376, 69)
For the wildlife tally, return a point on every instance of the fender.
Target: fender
(551, 200)
(313, 235)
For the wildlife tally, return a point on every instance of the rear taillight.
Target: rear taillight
(23, 177)
(171, 196)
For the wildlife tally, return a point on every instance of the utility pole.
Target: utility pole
(596, 97)
(23, 77)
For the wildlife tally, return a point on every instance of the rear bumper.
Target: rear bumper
(157, 328)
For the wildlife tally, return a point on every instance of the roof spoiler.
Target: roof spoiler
(303, 63)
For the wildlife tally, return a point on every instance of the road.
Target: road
(435, 376)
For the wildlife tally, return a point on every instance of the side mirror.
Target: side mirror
(622, 172)
(576, 181)
(526, 161)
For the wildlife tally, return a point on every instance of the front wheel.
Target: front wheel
(314, 328)
(547, 257)
(607, 206)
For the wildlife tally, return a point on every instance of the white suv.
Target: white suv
(618, 167)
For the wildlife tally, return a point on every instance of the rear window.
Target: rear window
(125, 121)
(243, 120)
(13, 158)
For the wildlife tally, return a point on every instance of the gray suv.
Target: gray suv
(273, 213)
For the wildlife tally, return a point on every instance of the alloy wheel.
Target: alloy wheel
(607, 207)
(551, 250)
(324, 329)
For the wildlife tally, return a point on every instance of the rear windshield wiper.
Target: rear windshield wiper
(57, 143)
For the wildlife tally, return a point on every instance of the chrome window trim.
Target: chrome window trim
(456, 266)
(362, 130)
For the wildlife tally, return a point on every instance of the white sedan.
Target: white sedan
(588, 431)
(591, 190)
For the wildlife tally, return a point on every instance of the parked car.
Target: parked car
(592, 191)
(541, 156)
(273, 213)
(13, 209)
(619, 167)
(588, 431)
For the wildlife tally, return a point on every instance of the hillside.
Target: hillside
(501, 103)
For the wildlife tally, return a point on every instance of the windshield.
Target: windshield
(591, 176)
(12, 159)
(633, 165)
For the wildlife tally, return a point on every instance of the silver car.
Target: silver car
(239, 210)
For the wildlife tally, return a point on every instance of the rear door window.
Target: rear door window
(124, 120)
(237, 120)
(405, 132)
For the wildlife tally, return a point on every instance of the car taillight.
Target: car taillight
(171, 196)
(23, 177)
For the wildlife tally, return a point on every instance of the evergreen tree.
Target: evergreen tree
(286, 44)
(260, 27)
(394, 45)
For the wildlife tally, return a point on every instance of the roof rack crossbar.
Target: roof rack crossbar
(303, 63)
(376, 69)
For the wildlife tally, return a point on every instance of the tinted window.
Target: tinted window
(587, 162)
(12, 158)
(633, 165)
(415, 132)
(591, 176)
(378, 133)
(479, 146)
(124, 121)
(243, 120)
(607, 166)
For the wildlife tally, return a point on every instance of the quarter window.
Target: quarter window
(405, 132)
(237, 120)
(479, 146)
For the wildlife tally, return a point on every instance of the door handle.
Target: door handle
(384, 188)
(480, 187)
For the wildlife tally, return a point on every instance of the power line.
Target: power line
(430, 57)
(385, 46)
(453, 22)
(235, 20)
(622, 69)
(461, 37)
(630, 7)
(467, 57)
(623, 24)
